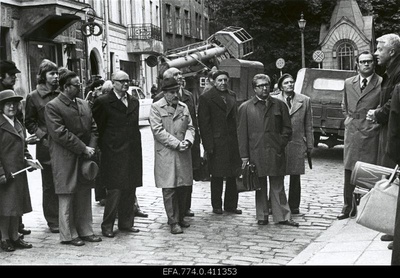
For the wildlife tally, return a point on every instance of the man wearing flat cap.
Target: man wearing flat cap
(173, 133)
(217, 116)
(8, 69)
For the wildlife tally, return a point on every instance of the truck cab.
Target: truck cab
(325, 88)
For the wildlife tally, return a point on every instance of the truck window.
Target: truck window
(328, 84)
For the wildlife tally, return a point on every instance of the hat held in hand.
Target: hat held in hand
(89, 169)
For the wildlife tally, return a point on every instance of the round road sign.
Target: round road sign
(280, 63)
(318, 56)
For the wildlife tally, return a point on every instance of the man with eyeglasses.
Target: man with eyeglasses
(264, 129)
(117, 118)
(361, 93)
(72, 135)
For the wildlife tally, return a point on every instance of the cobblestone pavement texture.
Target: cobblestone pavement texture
(227, 239)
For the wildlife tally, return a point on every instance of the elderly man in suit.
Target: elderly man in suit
(72, 135)
(121, 170)
(264, 130)
(218, 122)
(173, 133)
(361, 93)
(302, 137)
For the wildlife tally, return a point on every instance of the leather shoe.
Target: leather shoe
(107, 234)
(92, 238)
(184, 224)
(176, 229)
(189, 213)
(262, 222)
(217, 211)
(289, 222)
(20, 243)
(141, 214)
(24, 231)
(75, 242)
(129, 230)
(237, 211)
(7, 246)
(54, 230)
(343, 216)
(295, 211)
(387, 238)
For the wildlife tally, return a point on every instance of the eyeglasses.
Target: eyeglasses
(262, 86)
(78, 86)
(123, 81)
(366, 61)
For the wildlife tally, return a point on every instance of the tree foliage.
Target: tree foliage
(274, 28)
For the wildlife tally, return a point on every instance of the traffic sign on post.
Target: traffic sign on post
(280, 63)
(318, 56)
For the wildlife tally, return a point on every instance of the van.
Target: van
(325, 88)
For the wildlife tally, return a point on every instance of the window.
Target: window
(345, 55)
(328, 84)
(187, 24)
(178, 21)
(168, 17)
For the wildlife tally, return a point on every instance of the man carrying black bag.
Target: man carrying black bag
(263, 132)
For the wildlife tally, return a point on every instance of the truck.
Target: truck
(325, 87)
(226, 50)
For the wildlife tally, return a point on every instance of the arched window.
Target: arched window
(345, 56)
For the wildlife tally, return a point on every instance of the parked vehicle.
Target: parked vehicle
(325, 87)
(145, 103)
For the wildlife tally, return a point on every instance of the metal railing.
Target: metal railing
(145, 31)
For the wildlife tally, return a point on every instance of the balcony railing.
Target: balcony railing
(144, 32)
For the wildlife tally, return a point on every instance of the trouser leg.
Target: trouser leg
(189, 190)
(294, 192)
(50, 198)
(216, 192)
(183, 194)
(83, 212)
(126, 213)
(171, 205)
(262, 200)
(231, 195)
(66, 217)
(279, 204)
(348, 192)
(110, 210)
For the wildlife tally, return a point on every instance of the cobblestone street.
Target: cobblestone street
(227, 239)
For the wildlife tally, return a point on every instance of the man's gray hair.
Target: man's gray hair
(390, 40)
(260, 76)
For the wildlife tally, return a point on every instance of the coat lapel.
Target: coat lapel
(4, 124)
(297, 102)
(116, 103)
(132, 104)
(356, 86)
(371, 85)
(178, 111)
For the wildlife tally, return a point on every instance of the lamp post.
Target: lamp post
(302, 25)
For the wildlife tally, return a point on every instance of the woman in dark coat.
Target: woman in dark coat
(14, 156)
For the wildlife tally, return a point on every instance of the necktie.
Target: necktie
(288, 102)
(364, 84)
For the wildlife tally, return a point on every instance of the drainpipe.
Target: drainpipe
(106, 29)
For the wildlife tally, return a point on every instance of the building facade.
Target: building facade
(94, 38)
(348, 34)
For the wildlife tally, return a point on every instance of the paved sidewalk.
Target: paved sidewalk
(346, 243)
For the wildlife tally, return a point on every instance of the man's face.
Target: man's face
(262, 88)
(9, 80)
(288, 85)
(221, 82)
(383, 54)
(121, 82)
(172, 96)
(52, 78)
(74, 87)
(366, 64)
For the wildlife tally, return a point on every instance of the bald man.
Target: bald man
(117, 118)
(186, 97)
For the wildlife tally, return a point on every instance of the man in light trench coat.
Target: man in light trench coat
(174, 134)
(361, 136)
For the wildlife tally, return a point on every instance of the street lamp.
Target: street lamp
(302, 25)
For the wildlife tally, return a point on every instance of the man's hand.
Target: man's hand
(244, 162)
(371, 115)
(183, 146)
(89, 152)
(3, 180)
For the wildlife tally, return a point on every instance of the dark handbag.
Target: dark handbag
(247, 179)
(202, 173)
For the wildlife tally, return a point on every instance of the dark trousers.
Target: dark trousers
(175, 200)
(189, 190)
(50, 198)
(348, 191)
(231, 194)
(294, 192)
(121, 202)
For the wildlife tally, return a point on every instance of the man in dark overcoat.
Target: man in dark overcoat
(186, 97)
(117, 118)
(264, 131)
(217, 116)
